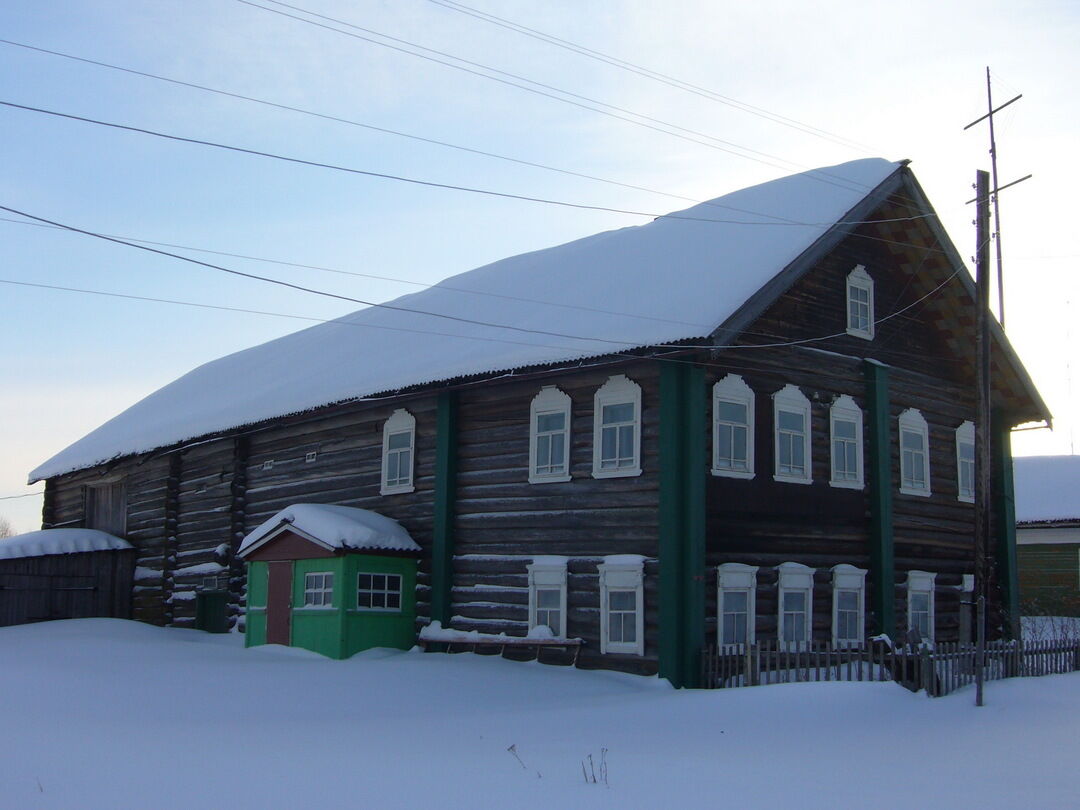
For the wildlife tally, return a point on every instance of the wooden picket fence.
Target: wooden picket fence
(939, 671)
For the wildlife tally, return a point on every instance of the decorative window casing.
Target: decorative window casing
(549, 436)
(378, 592)
(965, 462)
(849, 605)
(860, 303)
(791, 429)
(846, 444)
(914, 453)
(319, 589)
(736, 597)
(795, 604)
(617, 428)
(920, 604)
(733, 428)
(547, 594)
(622, 607)
(399, 449)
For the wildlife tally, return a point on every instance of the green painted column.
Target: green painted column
(695, 459)
(442, 544)
(879, 478)
(1005, 516)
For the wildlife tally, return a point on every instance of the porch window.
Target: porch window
(399, 440)
(378, 591)
(547, 594)
(319, 589)
(849, 617)
(965, 462)
(914, 455)
(920, 603)
(549, 439)
(860, 303)
(791, 414)
(622, 613)
(795, 603)
(845, 429)
(736, 595)
(617, 429)
(733, 428)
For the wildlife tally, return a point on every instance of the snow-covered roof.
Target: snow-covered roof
(675, 278)
(59, 541)
(336, 527)
(1047, 488)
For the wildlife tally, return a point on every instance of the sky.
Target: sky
(783, 87)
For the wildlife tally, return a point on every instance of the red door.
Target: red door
(278, 602)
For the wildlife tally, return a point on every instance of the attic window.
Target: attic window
(860, 303)
(399, 440)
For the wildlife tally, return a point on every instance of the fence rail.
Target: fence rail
(941, 670)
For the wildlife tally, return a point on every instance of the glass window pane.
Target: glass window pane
(397, 441)
(363, 599)
(607, 444)
(393, 600)
(843, 429)
(794, 600)
(558, 451)
(735, 601)
(731, 412)
(626, 442)
(848, 600)
(365, 581)
(613, 414)
(543, 451)
(547, 422)
(911, 440)
(791, 421)
(548, 598)
(622, 600)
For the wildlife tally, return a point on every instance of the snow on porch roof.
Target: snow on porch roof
(343, 527)
(59, 541)
(675, 278)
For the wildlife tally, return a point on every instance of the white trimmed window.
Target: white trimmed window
(622, 608)
(736, 595)
(547, 594)
(965, 462)
(378, 591)
(399, 442)
(549, 436)
(846, 440)
(319, 589)
(860, 303)
(914, 454)
(617, 428)
(791, 419)
(920, 603)
(849, 599)
(795, 604)
(733, 428)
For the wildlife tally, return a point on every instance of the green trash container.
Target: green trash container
(211, 611)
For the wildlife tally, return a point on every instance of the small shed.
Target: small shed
(65, 574)
(332, 579)
(1048, 534)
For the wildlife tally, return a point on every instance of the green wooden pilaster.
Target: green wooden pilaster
(879, 478)
(682, 522)
(442, 543)
(1005, 516)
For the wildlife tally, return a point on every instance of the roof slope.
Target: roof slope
(1047, 488)
(672, 279)
(336, 527)
(59, 541)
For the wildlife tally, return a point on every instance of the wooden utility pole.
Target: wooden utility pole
(982, 418)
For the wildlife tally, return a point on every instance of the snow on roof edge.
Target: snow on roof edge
(47, 542)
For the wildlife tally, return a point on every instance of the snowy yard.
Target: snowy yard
(102, 713)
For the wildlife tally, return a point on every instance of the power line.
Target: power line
(632, 67)
(14, 497)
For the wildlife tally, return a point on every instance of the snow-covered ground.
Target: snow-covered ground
(101, 713)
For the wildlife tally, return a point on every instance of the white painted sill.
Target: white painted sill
(919, 493)
(549, 479)
(398, 489)
(791, 479)
(846, 484)
(746, 475)
(626, 472)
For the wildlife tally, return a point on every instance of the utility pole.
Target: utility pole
(982, 418)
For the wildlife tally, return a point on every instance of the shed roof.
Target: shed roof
(1047, 488)
(336, 527)
(59, 541)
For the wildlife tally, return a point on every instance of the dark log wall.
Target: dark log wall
(66, 586)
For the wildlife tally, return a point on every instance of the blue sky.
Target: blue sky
(900, 82)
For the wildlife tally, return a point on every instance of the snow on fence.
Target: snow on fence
(939, 670)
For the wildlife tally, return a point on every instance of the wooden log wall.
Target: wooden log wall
(66, 586)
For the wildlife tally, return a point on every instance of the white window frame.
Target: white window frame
(622, 573)
(965, 436)
(733, 389)
(618, 390)
(547, 573)
(736, 578)
(550, 400)
(847, 578)
(922, 582)
(794, 577)
(319, 596)
(385, 590)
(791, 400)
(845, 409)
(912, 421)
(859, 279)
(400, 421)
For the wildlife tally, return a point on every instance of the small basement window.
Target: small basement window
(914, 455)
(860, 303)
(617, 428)
(622, 609)
(378, 591)
(965, 462)
(399, 440)
(791, 414)
(733, 428)
(736, 595)
(319, 589)
(547, 594)
(846, 432)
(549, 436)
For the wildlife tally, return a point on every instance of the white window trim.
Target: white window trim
(922, 582)
(400, 421)
(912, 421)
(548, 573)
(794, 577)
(618, 390)
(549, 400)
(736, 577)
(399, 591)
(623, 573)
(965, 434)
(732, 388)
(311, 606)
(859, 279)
(790, 398)
(848, 578)
(845, 409)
